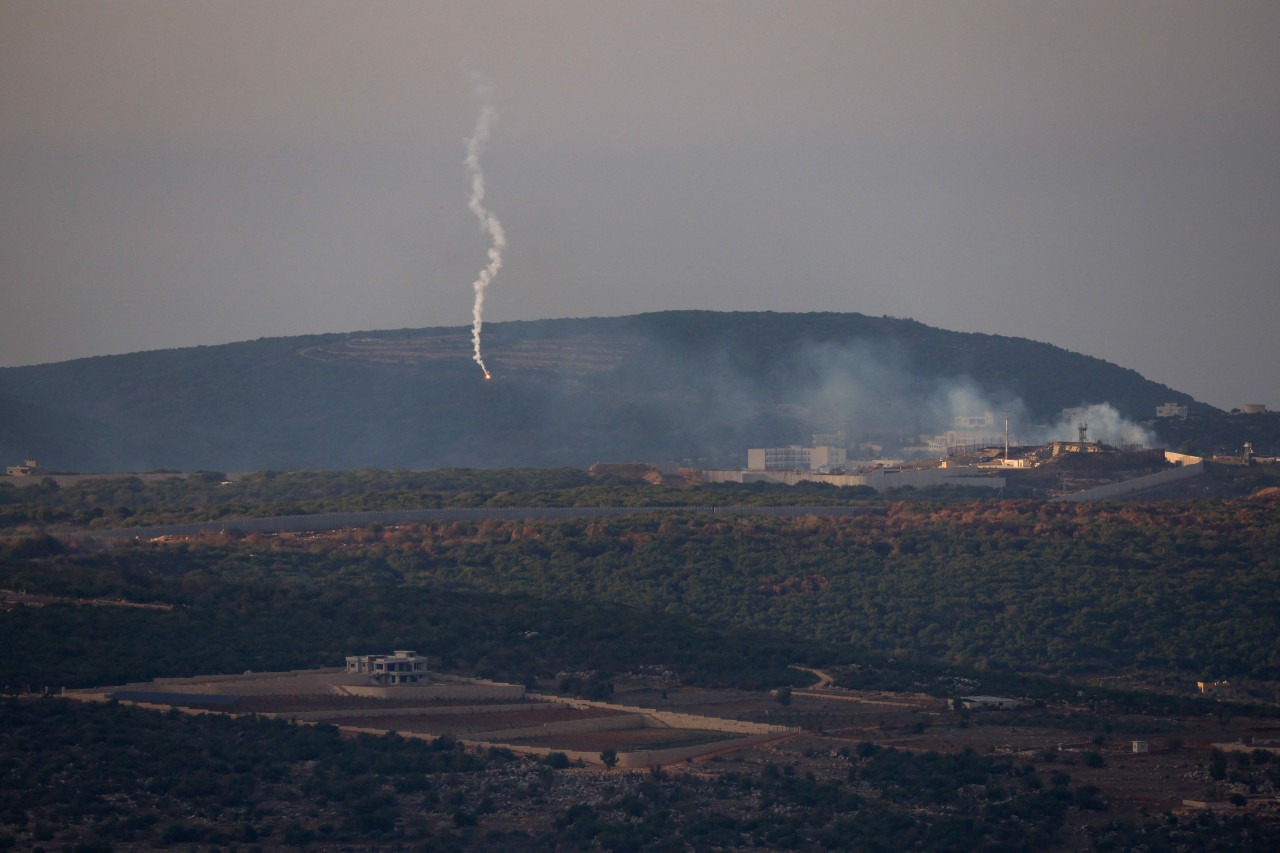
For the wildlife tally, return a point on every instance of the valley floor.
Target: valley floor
(1187, 765)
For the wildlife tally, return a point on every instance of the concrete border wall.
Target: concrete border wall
(1137, 484)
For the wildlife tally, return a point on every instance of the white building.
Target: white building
(794, 458)
(1171, 410)
(29, 468)
(400, 667)
(952, 439)
(968, 422)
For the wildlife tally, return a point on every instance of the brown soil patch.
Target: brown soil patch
(628, 740)
(461, 724)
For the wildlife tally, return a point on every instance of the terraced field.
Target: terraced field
(576, 355)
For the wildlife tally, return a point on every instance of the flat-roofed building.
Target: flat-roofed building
(794, 458)
(399, 667)
(29, 468)
(967, 422)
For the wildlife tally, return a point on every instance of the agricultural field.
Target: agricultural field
(1053, 777)
(628, 740)
(1164, 595)
(1097, 618)
(463, 725)
(457, 709)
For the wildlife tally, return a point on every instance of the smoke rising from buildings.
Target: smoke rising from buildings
(702, 387)
(1105, 424)
(489, 222)
(873, 391)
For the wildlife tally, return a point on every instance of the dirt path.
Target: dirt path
(824, 680)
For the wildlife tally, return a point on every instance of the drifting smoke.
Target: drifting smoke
(868, 389)
(489, 222)
(1105, 424)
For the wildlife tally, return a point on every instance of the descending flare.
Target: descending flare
(489, 222)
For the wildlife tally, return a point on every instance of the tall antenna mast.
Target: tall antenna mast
(1006, 436)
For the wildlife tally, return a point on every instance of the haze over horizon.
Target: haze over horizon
(1103, 176)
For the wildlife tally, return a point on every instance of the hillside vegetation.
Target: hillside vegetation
(1164, 591)
(115, 502)
(100, 777)
(671, 385)
(1172, 589)
(997, 597)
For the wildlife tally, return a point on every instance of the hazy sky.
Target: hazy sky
(1103, 176)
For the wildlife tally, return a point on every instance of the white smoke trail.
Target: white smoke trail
(489, 222)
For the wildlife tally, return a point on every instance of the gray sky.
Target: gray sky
(1104, 176)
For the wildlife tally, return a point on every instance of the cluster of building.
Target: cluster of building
(829, 455)
(1174, 410)
(969, 434)
(826, 461)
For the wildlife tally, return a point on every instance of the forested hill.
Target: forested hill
(670, 385)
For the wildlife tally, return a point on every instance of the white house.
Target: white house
(399, 667)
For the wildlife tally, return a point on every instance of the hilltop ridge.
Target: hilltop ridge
(666, 385)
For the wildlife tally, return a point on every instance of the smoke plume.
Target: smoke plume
(489, 222)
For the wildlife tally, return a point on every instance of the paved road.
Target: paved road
(336, 521)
